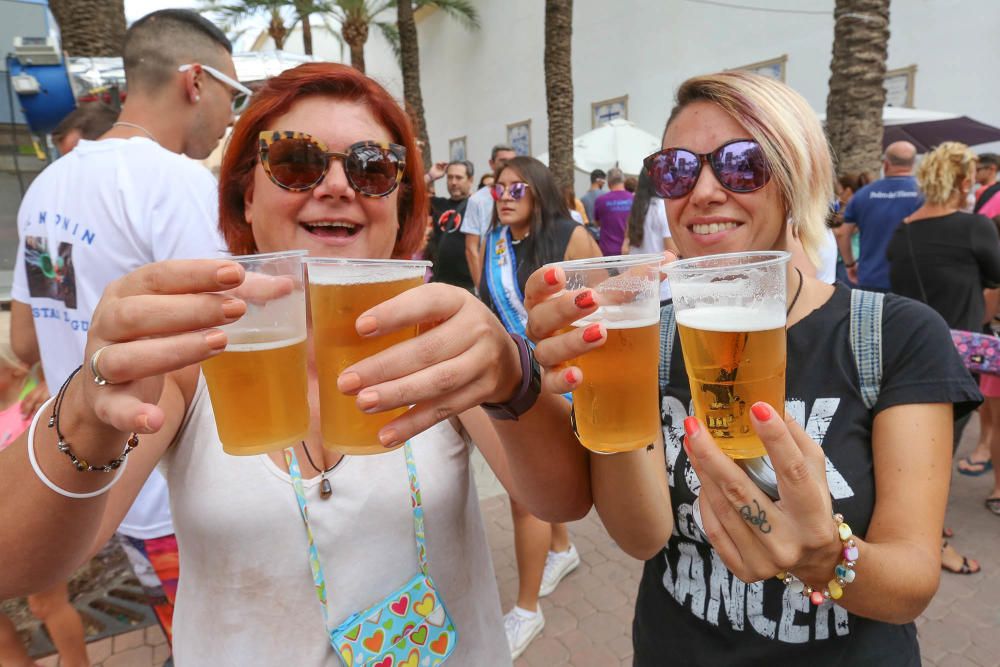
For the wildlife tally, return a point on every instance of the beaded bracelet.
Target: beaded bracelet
(82, 465)
(843, 573)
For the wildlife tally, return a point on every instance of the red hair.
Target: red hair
(274, 99)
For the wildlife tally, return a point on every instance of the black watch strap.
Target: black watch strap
(528, 391)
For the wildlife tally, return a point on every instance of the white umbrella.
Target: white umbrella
(617, 143)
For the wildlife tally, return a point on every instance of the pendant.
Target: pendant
(325, 490)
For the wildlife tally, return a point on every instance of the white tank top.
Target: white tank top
(246, 595)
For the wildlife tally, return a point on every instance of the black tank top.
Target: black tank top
(551, 247)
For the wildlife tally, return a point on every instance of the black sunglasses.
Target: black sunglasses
(298, 162)
(738, 165)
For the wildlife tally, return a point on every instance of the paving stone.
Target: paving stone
(544, 652)
(128, 641)
(160, 654)
(155, 636)
(100, 650)
(141, 656)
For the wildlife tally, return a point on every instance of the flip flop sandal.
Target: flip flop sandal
(984, 467)
(965, 569)
(993, 505)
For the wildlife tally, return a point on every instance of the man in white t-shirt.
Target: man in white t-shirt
(133, 197)
(479, 212)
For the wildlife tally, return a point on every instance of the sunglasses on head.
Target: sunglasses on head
(516, 190)
(738, 165)
(298, 162)
(241, 95)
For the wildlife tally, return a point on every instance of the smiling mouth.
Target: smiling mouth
(337, 230)
(714, 228)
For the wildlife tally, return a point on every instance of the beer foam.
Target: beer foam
(361, 274)
(259, 346)
(731, 319)
(617, 324)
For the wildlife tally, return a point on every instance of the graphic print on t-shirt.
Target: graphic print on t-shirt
(701, 582)
(50, 275)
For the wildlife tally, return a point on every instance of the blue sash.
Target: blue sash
(501, 280)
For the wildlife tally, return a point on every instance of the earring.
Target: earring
(197, 98)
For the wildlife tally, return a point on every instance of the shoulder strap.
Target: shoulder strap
(866, 342)
(986, 196)
(668, 328)
(317, 568)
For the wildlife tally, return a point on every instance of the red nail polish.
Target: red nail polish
(570, 376)
(761, 411)
(584, 300)
(691, 426)
(592, 334)
(687, 449)
(550, 276)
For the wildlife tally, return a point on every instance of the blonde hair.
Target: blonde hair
(942, 171)
(789, 133)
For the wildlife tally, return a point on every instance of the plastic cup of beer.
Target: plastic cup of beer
(258, 383)
(615, 406)
(340, 290)
(730, 311)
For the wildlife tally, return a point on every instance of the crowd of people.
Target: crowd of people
(119, 295)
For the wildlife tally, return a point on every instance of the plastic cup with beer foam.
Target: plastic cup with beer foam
(258, 383)
(730, 312)
(340, 290)
(615, 406)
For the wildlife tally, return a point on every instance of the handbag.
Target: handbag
(408, 628)
(980, 352)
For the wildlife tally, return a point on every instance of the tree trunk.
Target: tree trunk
(277, 31)
(94, 28)
(307, 34)
(355, 33)
(857, 84)
(559, 88)
(410, 64)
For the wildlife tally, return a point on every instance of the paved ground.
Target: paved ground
(588, 618)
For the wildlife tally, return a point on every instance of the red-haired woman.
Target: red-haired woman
(247, 595)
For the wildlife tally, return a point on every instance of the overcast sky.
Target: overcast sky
(136, 9)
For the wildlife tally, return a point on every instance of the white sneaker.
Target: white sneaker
(521, 629)
(557, 565)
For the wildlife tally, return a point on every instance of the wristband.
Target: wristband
(851, 265)
(528, 391)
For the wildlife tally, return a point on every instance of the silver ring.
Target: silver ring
(99, 379)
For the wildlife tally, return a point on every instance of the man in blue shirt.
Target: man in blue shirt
(875, 211)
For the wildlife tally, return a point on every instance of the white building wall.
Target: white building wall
(475, 83)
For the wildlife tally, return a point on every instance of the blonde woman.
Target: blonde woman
(885, 468)
(946, 257)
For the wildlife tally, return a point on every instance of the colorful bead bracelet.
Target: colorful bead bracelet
(843, 573)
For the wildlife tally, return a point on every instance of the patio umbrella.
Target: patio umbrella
(617, 143)
(926, 129)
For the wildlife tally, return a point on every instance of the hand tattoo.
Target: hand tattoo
(759, 519)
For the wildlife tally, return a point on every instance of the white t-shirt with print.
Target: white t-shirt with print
(105, 209)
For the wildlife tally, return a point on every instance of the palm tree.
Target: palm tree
(559, 88)
(409, 60)
(282, 17)
(857, 91)
(92, 28)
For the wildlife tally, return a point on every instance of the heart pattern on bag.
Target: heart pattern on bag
(440, 645)
(425, 606)
(400, 606)
(374, 643)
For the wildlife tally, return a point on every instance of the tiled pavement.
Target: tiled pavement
(588, 618)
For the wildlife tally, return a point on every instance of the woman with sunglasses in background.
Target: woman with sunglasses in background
(531, 227)
(324, 160)
(862, 462)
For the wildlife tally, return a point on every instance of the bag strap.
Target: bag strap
(668, 328)
(319, 581)
(986, 196)
(866, 342)
(913, 259)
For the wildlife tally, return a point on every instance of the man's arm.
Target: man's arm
(843, 234)
(472, 256)
(22, 333)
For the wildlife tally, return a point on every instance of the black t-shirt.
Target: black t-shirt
(957, 256)
(691, 610)
(551, 247)
(446, 246)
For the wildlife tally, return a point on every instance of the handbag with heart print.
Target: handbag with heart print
(408, 628)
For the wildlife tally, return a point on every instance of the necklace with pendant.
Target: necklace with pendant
(325, 489)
